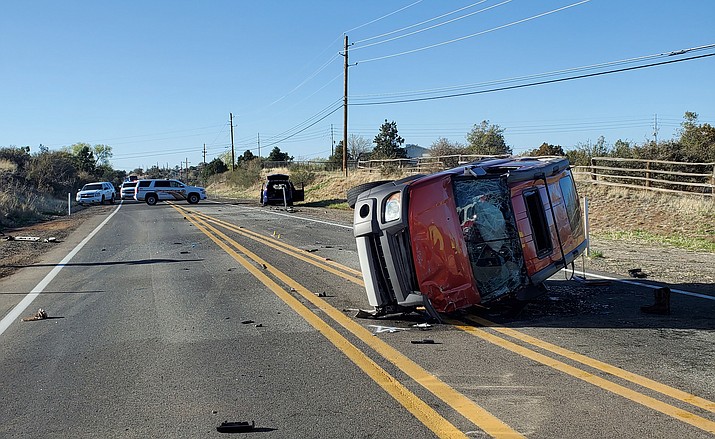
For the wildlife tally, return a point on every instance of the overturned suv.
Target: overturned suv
(156, 190)
(479, 233)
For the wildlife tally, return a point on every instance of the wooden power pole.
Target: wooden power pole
(233, 151)
(345, 110)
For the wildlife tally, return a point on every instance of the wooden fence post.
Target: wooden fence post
(647, 173)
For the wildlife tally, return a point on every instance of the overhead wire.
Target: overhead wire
(531, 77)
(382, 18)
(532, 84)
(431, 27)
(444, 43)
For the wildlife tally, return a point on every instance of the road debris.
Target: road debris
(50, 239)
(424, 341)
(422, 326)
(662, 302)
(26, 238)
(322, 294)
(246, 322)
(389, 329)
(637, 273)
(41, 314)
(235, 427)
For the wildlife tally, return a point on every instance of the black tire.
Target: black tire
(111, 201)
(102, 201)
(151, 199)
(193, 198)
(357, 190)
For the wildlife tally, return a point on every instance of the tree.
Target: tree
(102, 154)
(388, 144)
(215, 166)
(443, 148)
(336, 159)
(277, 156)
(83, 157)
(546, 149)
(698, 141)
(247, 156)
(487, 139)
(357, 146)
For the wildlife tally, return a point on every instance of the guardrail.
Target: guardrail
(655, 175)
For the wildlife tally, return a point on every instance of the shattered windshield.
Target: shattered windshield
(484, 210)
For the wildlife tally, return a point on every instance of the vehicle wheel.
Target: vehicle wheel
(102, 201)
(111, 200)
(151, 199)
(357, 190)
(193, 198)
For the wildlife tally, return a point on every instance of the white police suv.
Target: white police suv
(155, 190)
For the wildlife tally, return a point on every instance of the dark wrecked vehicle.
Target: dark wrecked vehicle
(280, 190)
(476, 234)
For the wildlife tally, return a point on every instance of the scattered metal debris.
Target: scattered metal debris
(637, 273)
(26, 238)
(41, 314)
(422, 326)
(235, 427)
(50, 239)
(389, 329)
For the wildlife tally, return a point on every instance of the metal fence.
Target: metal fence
(655, 175)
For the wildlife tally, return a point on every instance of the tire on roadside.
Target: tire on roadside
(353, 193)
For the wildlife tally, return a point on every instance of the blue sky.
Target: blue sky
(157, 79)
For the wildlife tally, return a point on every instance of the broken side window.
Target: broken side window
(573, 208)
(539, 225)
(490, 233)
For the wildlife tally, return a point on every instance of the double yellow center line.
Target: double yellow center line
(421, 410)
(494, 427)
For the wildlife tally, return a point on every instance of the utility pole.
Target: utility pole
(655, 129)
(204, 153)
(345, 110)
(259, 145)
(233, 151)
(332, 141)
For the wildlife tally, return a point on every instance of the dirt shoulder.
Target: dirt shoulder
(16, 254)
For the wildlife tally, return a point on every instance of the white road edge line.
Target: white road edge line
(640, 284)
(27, 300)
(290, 216)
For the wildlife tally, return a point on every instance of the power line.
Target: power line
(543, 14)
(532, 84)
(431, 27)
(416, 93)
(419, 24)
(382, 18)
(298, 132)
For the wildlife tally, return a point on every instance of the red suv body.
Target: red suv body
(474, 234)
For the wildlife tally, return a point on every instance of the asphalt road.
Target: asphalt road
(172, 319)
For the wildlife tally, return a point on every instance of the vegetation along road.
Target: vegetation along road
(167, 320)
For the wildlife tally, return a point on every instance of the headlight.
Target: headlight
(393, 207)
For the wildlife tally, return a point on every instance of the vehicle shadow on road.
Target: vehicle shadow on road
(570, 304)
(99, 264)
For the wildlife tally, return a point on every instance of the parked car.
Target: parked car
(99, 192)
(476, 234)
(127, 190)
(155, 190)
(280, 190)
